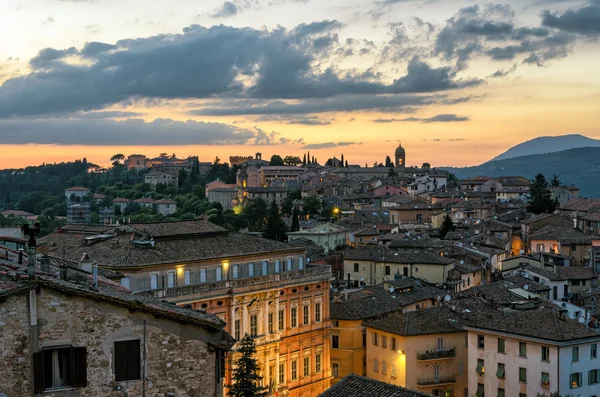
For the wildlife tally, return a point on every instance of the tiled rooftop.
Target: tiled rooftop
(358, 386)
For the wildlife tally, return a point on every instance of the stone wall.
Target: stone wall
(15, 370)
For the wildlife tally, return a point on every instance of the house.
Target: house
(326, 235)
(427, 183)
(387, 190)
(259, 287)
(268, 194)
(562, 194)
(145, 202)
(268, 174)
(76, 193)
(421, 350)
(413, 213)
(121, 202)
(136, 162)
(351, 308)
(217, 184)
(565, 241)
(155, 178)
(533, 224)
(24, 215)
(575, 208)
(166, 206)
(376, 264)
(482, 184)
(78, 334)
(358, 386)
(226, 196)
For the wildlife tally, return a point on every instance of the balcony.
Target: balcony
(437, 355)
(436, 381)
(239, 285)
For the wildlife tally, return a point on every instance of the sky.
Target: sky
(456, 82)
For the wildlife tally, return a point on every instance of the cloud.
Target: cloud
(585, 20)
(328, 145)
(440, 118)
(104, 131)
(216, 62)
(346, 103)
(228, 9)
(291, 119)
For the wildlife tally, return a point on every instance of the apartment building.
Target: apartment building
(257, 286)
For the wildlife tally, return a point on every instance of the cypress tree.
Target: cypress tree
(295, 219)
(245, 374)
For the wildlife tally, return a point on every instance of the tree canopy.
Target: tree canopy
(276, 160)
(275, 227)
(246, 379)
(540, 198)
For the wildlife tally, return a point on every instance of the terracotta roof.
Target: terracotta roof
(576, 273)
(435, 320)
(144, 200)
(77, 189)
(16, 213)
(99, 196)
(166, 201)
(565, 235)
(121, 200)
(358, 386)
(382, 254)
(580, 205)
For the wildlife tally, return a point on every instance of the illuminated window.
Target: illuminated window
(575, 380)
(253, 325)
(480, 367)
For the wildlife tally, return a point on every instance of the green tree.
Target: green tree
(312, 206)
(540, 198)
(447, 226)
(276, 160)
(287, 206)
(275, 227)
(292, 160)
(342, 160)
(117, 157)
(246, 380)
(304, 160)
(256, 211)
(295, 219)
(555, 182)
(388, 161)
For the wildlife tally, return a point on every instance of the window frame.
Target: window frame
(317, 312)
(118, 359)
(522, 371)
(502, 342)
(336, 344)
(480, 341)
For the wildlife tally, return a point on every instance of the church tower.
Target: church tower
(400, 162)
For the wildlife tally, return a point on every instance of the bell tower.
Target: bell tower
(400, 157)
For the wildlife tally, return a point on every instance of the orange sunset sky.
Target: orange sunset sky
(457, 82)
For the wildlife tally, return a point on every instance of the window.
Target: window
(480, 342)
(235, 270)
(335, 341)
(356, 268)
(335, 370)
(281, 373)
(301, 263)
(479, 392)
(593, 376)
(575, 353)
(500, 393)
(127, 360)
(277, 266)
(545, 379)
(253, 325)
(318, 363)
(265, 268)
(294, 317)
(575, 380)
(251, 270)
(306, 368)
(187, 277)
(461, 368)
(594, 350)
(522, 395)
(480, 367)
(294, 369)
(501, 345)
(440, 343)
(60, 367)
(393, 344)
(202, 275)
(500, 371)
(317, 312)
(523, 375)
(522, 349)
(394, 370)
(153, 281)
(219, 273)
(545, 353)
(364, 339)
(375, 365)
(383, 367)
(289, 264)
(281, 320)
(306, 315)
(375, 339)
(387, 271)
(271, 323)
(126, 282)
(237, 330)
(170, 279)
(384, 341)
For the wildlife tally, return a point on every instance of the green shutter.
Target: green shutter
(545, 377)
(479, 368)
(479, 390)
(500, 392)
(500, 372)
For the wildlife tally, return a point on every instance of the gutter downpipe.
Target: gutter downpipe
(144, 363)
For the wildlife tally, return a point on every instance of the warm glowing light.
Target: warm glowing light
(179, 270)
(238, 209)
(225, 265)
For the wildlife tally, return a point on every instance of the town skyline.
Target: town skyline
(457, 82)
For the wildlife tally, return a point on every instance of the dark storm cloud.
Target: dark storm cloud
(440, 118)
(101, 131)
(585, 20)
(328, 145)
(221, 61)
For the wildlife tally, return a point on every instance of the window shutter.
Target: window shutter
(79, 362)
(38, 372)
(120, 361)
(133, 359)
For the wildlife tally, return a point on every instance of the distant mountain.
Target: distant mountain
(580, 167)
(548, 144)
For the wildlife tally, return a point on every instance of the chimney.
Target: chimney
(85, 263)
(337, 297)
(95, 275)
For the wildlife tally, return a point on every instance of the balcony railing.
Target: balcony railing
(437, 355)
(251, 283)
(436, 380)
